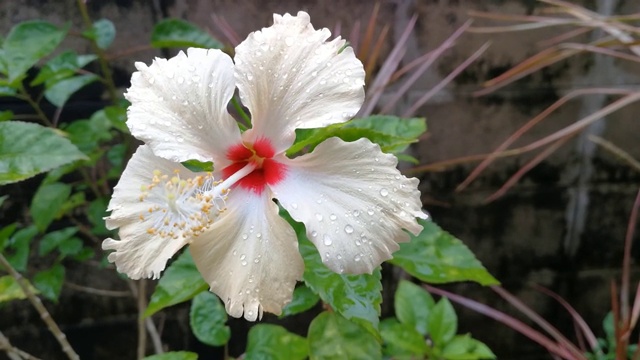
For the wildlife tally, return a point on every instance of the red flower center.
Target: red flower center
(260, 153)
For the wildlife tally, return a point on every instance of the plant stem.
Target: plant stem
(102, 59)
(44, 314)
(13, 352)
(24, 95)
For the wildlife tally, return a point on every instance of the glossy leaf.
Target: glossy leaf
(10, 290)
(52, 240)
(180, 282)
(331, 336)
(180, 33)
(198, 166)
(47, 203)
(208, 318)
(393, 134)
(402, 341)
(355, 297)
(63, 66)
(303, 300)
(463, 347)
(103, 32)
(29, 149)
(435, 256)
(174, 355)
(61, 91)
(273, 342)
(442, 323)
(17, 247)
(27, 43)
(413, 305)
(7, 231)
(49, 281)
(87, 135)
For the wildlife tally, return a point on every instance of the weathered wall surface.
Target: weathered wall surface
(562, 226)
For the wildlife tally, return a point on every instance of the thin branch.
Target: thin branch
(626, 260)
(612, 148)
(44, 314)
(98, 292)
(13, 352)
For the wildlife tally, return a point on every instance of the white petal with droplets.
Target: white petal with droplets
(179, 106)
(353, 202)
(250, 256)
(138, 253)
(290, 77)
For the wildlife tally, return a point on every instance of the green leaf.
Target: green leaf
(463, 347)
(49, 282)
(333, 337)
(442, 323)
(413, 305)
(273, 342)
(61, 67)
(6, 232)
(27, 43)
(52, 240)
(61, 91)
(180, 33)
(198, 166)
(29, 149)
(207, 318)
(435, 256)
(174, 355)
(17, 248)
(179, 283)
(102, 32)
(87, 135)
(356, 297)
(393, 134)
(402, 341)
(96, 211)
(11, 290)
(6, 115)
(303, 300)
(47, 203)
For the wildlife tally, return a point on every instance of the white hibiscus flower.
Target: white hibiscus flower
(349, 195)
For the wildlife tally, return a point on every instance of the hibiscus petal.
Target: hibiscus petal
(250, 256)
(144, 248)
(353, 202)
(178, 106)
(290, 77)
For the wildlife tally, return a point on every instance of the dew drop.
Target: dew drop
(294, 205)
(259, 235)
(339, 257)
(370, 211)
(244, 262)
(250, 313)
(180, 80)
(243, 256)
(327, 240)
(152, 80)
(357, 258)
(256, 261)
(235, 252)
(356, 213)
(348, 229)
(333, 217)
(319, 216)
(314, 233)
(384, 192)
(195, 78)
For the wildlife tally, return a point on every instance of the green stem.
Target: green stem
(44, 314)
(102, 59)
(24, 95)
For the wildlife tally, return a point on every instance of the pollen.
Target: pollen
(180, 207)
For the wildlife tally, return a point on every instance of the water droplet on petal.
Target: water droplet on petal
(348, 229)
(384, 192)
(357, 257)
(259, 235)
(370, 211)
(180, 80)
(294, 205)
(319, 216)
(249, 77)
(327, 240)
(244, 262)
(314, 233)
(243, 256)
(333, 217)
(356, 213)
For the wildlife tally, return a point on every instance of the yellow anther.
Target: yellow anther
(157, 172)
(151, 231)
(175, 180)
(150, 210)
(141, 218)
